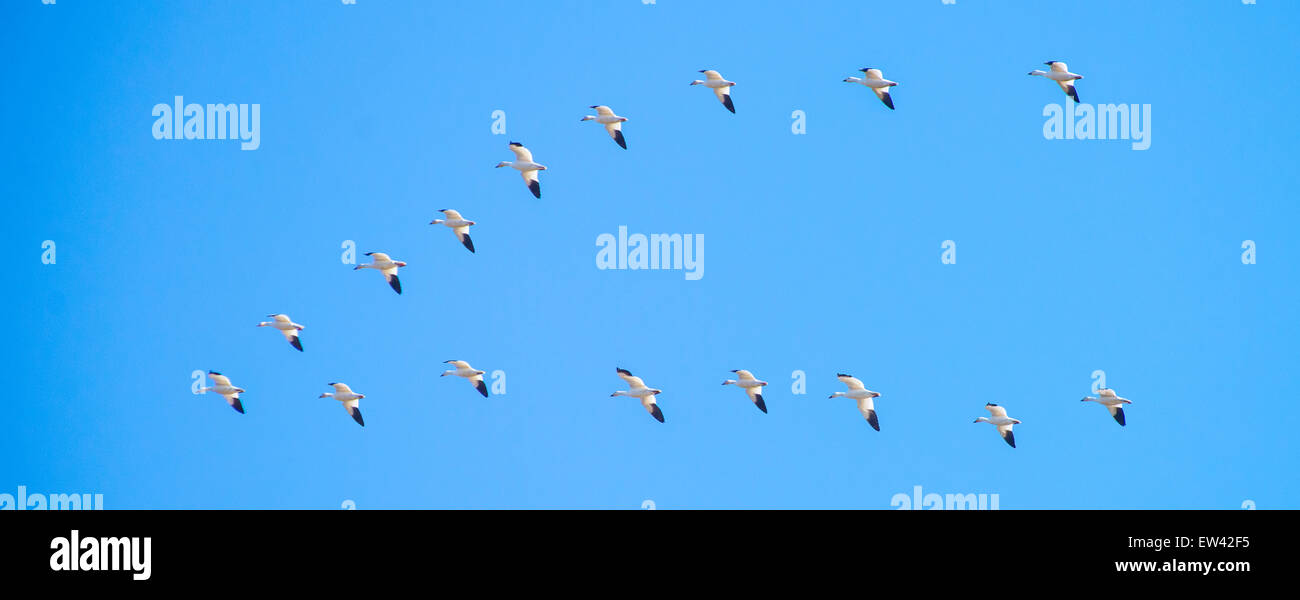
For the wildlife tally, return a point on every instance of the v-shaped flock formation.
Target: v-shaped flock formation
(529, 169)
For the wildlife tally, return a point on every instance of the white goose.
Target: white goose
(752, 386)
(721, 87)
(382, 263)
(344, 394)
(474, 376)
(864, 396)
(287, 327)
(612, 122)
(1061, 74)
(1114, 404)
(222, 386)
(1001, 421)
(527, 168)
(638, 389)
(875, 80)
(458, 225)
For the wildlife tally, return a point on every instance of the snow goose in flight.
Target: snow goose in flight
(752, 386)
(875, 80)
(385, 265)
(223, 387)
(721, 87)
(1114, 404)
(638, 389)
(1061, 74)
(527, 168)
(612, 122)
(1001, 421)
(458, 225)
(287, 327)
(864, 396)
(349, 398)
(463, 369)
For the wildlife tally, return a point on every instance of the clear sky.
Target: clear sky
(822, 254)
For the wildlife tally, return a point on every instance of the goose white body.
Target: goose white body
(1000, 420)
(752, 385)
(463, 369)
(223, 387)
(287, 327)
(612, 122)
(1114, 404)
(638, 389)
(720, 85)
(865, 397)
(382, 263)
(874, 79)
(1060, 73)
(527, 168)
(459, 226)
(349, 398)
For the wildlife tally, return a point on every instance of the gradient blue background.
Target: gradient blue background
(822, 254)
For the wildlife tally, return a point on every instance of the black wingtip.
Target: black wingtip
(295, 343)
(888, 100)
(726, 101)
(482, 388)
(758, 401)
(356, 416)
(536, 188)
(623, 371)
(656, 413)
(237, 405)
(468, 243)
(873, 420)
(618, 138)
(1010, 437)
(1074, 93)
(1119, 416)
(395, 283)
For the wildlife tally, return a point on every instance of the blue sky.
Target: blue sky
(822, 254)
